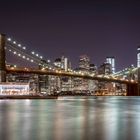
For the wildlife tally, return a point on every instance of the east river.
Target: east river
(71, 118)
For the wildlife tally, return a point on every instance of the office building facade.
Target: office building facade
(111, 61)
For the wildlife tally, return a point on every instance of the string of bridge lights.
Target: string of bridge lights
(20, 55)
(24, 48)
(33, 53)
(15, 43)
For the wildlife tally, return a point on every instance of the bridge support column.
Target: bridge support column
(2, 58)
(138, 73)
(132, 90)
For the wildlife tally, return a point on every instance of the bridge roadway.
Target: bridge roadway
(69, 74)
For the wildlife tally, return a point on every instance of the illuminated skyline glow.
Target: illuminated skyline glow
(73, 28)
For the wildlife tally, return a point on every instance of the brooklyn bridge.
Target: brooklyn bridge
(37, 76)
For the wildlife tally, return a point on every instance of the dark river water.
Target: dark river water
(71, 118)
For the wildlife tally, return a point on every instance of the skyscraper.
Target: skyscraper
(138, 56)
(66, 64)
(111, 61)
(58, 63)
(105, 68)
(84, 62)
(63, 63)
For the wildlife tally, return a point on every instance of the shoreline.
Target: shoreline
(27, 97)
(3, 97)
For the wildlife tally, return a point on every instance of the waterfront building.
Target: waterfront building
(84, 67)
(92, 84)
(84, 85)
(14, 89)
(54, 84)
(64, 83)
(105, 69)
(80, 85)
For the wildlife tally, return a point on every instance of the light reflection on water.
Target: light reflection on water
(71, 118)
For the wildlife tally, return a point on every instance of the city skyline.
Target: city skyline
(69, 69)
(98, 29)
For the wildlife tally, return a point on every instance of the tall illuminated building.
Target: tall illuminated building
(84, 62)
(138, 56)
(66, 64)
(84, 67)
(111, 61)
(58, 62)
(63, 63)
(105, 68)
(63, 83)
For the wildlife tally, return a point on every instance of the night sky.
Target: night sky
(98, 28)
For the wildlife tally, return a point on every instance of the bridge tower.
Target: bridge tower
(2, 58)
(138, 73)
(134, 89)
